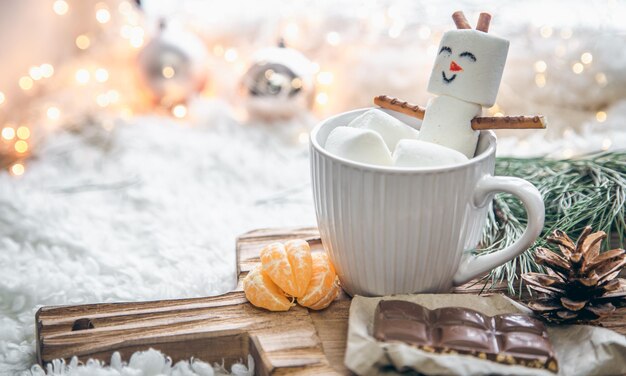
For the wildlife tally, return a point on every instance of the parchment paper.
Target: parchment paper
(580, 349)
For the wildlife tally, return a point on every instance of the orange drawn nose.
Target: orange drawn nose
(454, 67)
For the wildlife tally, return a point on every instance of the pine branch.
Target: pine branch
(590, 190)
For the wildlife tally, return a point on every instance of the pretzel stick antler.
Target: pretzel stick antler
(483, 22)
(460, 21)
(478, 123)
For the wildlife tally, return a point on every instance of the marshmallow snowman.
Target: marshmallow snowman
(466, 77)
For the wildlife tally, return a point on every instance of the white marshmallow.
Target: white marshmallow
(415, 153)
(359, 145)
(448, 122)
(478, 81)
(391, 129)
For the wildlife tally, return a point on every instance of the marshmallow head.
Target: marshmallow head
(359, 145)
(469, 66)
(391, 129)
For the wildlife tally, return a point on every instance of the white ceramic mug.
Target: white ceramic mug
(392, 230)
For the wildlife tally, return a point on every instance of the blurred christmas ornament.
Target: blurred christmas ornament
(278, 84)
(173, 66)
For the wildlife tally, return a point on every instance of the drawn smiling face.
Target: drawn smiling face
(469, 66)
(464, 57)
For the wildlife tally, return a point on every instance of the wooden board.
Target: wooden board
(213, 329)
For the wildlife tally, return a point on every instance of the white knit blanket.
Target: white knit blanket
(149, 210)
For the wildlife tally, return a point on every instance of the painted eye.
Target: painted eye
(446, 49)
(468, 55)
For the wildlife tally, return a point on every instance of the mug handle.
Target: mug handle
(475, 266)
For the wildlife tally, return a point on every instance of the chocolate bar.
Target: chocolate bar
(514, 339)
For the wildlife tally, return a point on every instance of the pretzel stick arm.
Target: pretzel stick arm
(478, 123)
(395, 104)
(509, 122)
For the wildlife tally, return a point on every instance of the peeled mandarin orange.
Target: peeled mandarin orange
(323, 288)
(289, 265)
(262, 292)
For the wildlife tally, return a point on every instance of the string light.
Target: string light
(560, 50)
(26, 83)
(396, 29)
(333, 38)
(424, 32)
(546, 31)
(296, 83)
(168, 71)
(8, 133)
(35, 73)
(53, 113)
(431, 50)
(218, 50)
(179, 111)
(540, 80)
(586, 58)
(321, 98)
(601, 116)
(102, 100)
(101, 75)
(230, 55)
(303, 137)
(23, 133)
(82, 76)
(125, 8)
(606, 144)
(103, 16)
(46, 70)
(126, 31)
(83, 42)
(578, 68)
(540, 66)
(601, 79)
(566, 33)
(113, 95)
(2, 98)
(21, 146)
(60, 7)
(325, 78)
(291, 30)
(17, 169)
(136, 36)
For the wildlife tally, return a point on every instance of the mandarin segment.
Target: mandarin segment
(262, 292)
(328, 298)
(276, 265)
(288, 265)
(323, 287)
(301, 261)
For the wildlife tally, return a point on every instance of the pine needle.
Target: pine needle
(589, 190)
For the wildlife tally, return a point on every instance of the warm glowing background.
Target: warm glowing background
(64, 61)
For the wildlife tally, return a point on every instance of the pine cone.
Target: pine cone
(582, 284)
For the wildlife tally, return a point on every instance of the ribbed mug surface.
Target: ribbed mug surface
(396, 231)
